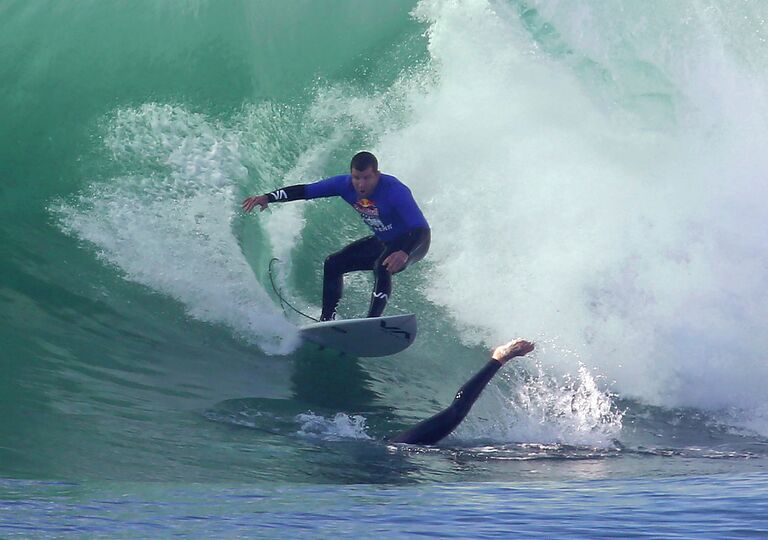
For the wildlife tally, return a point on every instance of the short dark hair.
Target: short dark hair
(362, 160)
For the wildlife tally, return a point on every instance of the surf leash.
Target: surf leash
(283, 301)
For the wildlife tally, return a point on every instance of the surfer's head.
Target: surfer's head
(365, 173)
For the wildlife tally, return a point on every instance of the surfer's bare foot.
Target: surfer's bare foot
(517, 347)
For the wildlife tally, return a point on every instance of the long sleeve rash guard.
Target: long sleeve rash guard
(390, 211)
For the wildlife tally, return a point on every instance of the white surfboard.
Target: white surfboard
(377, 336)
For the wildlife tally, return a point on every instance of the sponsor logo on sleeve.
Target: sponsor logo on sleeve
(279, 194)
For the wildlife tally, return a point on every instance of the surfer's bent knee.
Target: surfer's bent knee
(331, 263)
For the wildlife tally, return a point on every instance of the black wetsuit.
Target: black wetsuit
(394, 218)
(434, 429)
(369, 254)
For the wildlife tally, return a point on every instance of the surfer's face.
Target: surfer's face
(365, 182)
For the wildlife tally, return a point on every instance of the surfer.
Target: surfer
(439, 426)
(401, 234)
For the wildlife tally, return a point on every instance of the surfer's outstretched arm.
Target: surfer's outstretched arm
(439, 426)
(289, 193)
(329, 187)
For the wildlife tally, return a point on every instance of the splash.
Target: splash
(620, 223)
(341, 426)
(532, 406)
(169, 225)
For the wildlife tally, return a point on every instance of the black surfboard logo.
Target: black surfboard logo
(395, 330)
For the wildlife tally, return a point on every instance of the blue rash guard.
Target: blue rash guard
(390, 211)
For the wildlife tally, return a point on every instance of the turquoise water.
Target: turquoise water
(593, 173)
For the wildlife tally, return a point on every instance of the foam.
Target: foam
(341, 426)
(170, 226)
(535, 407)
(595, 184)
(557, 218)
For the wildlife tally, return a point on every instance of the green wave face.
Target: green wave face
(593, 175)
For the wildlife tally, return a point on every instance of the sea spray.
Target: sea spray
(340, 426)
(556, 215)
(169, 226)
(533, 406)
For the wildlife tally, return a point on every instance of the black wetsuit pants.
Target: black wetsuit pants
(365, 254)
(432, 430)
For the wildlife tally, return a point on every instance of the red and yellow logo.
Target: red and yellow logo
(367, 207)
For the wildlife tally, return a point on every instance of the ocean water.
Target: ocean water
(594, 174)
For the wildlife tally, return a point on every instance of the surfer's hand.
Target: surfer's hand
(395, 262)
(251, 202)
